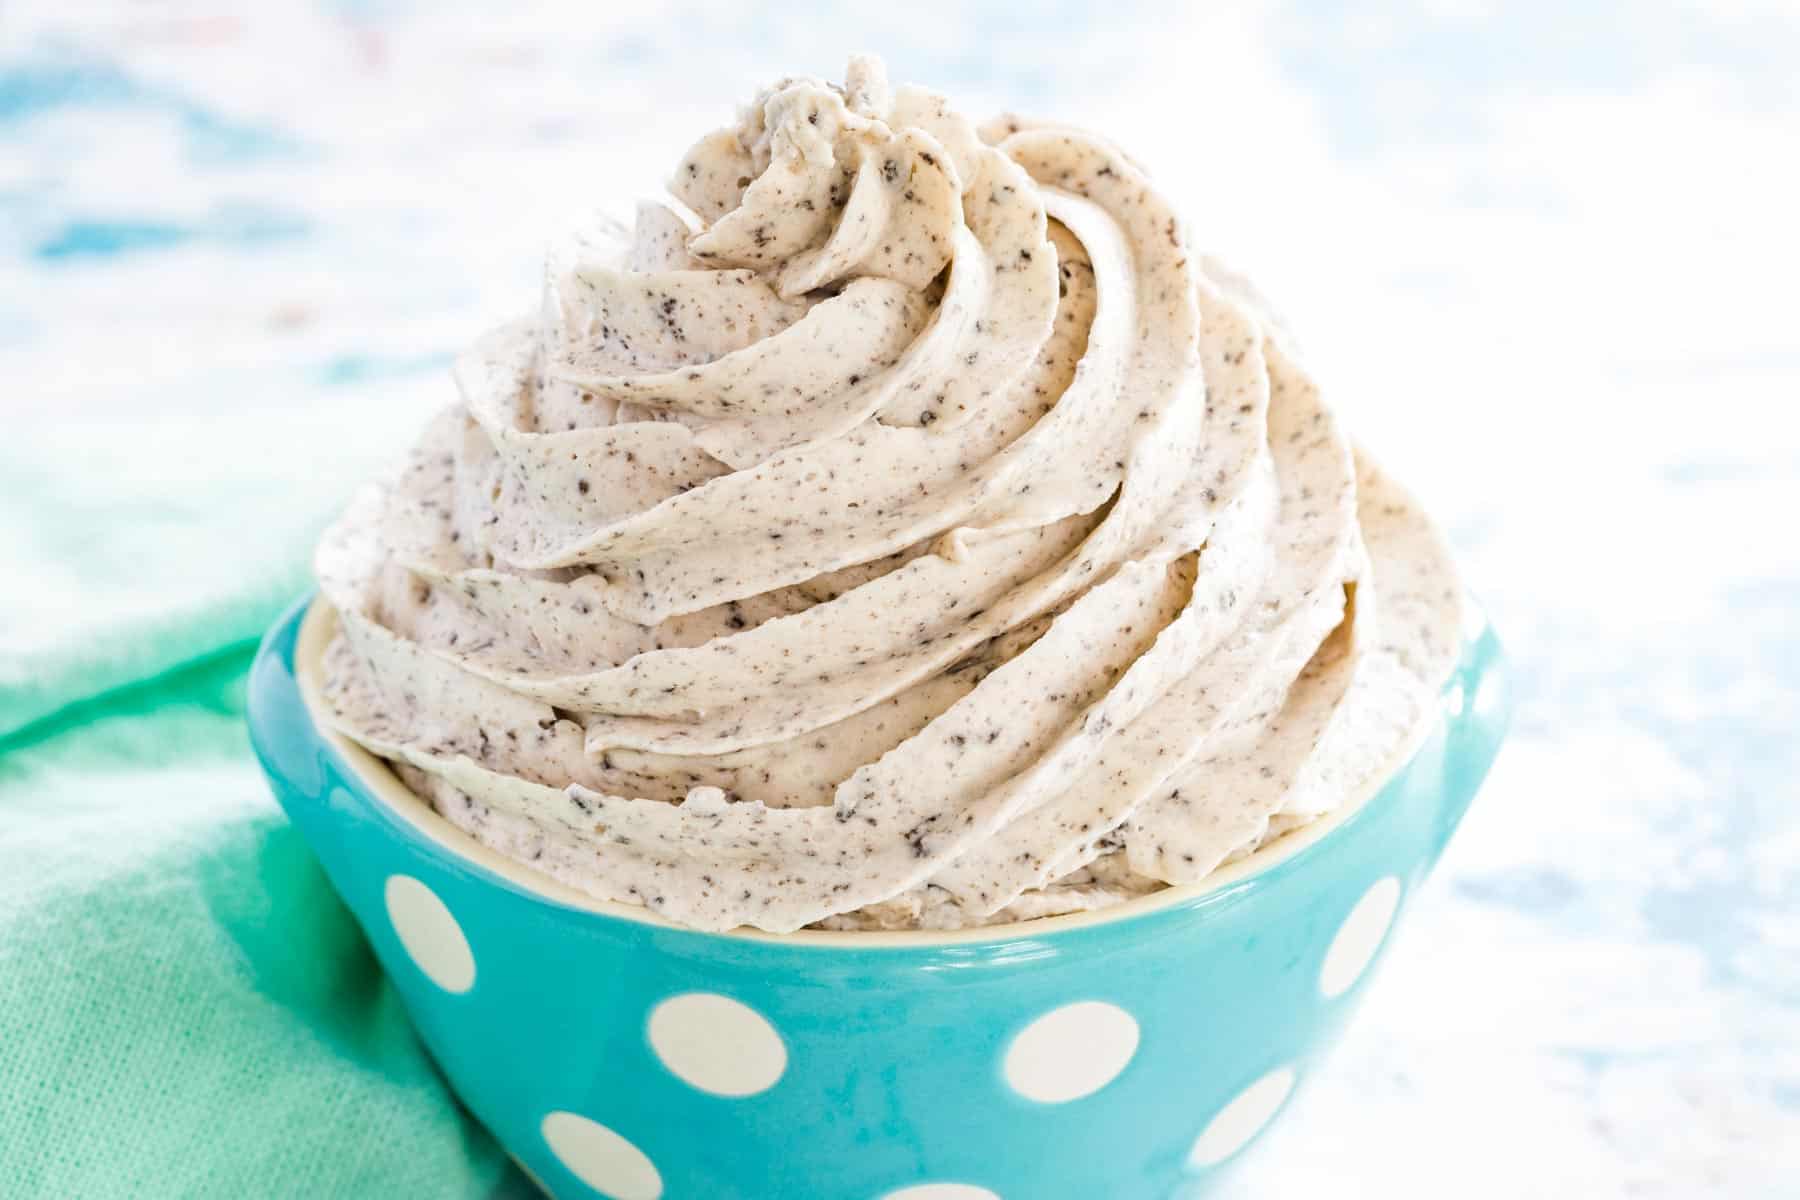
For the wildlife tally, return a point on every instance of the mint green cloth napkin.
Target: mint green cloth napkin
(186, 1010)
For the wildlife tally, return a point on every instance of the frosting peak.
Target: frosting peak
(895, 527)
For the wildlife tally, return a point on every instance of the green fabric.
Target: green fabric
(185, 1007)
(186, 1010)
(138, 538)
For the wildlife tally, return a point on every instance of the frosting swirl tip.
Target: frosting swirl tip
(897, 525)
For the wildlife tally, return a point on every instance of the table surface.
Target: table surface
(1542, 260)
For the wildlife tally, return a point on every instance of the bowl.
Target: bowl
(1131, 1053)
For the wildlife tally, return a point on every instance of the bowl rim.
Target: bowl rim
(318, 621)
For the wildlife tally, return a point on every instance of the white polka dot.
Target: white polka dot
(1242, 1119)
(430, 934)
(1071, 1052)
(1360, 937)
(601, 1158)
(942, 1191)
(717, 1045)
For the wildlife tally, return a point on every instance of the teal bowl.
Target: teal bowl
(1128, 1054)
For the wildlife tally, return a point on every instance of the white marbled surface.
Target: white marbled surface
(1542, 254)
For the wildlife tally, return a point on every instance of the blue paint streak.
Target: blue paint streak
(216, 139)
(110, 238)
(31, 89)
(105, 239)
(28, 90)
(1540, 891)
(1697, 472)
(347, 369)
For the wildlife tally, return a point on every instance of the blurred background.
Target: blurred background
(1542, 255)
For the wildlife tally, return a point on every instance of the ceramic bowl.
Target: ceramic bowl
(1128, 1054)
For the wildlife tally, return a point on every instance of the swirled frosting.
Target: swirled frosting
(901, 526)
